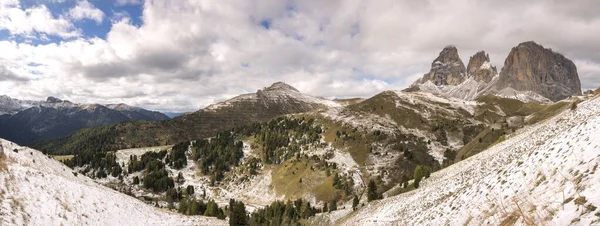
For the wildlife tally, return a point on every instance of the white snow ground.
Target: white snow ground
(541, 175)
(123, 155)
(38, 190)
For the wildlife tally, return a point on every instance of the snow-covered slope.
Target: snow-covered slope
(38, 190)
(278, 92)
(471, 89)
(11, 106)
(545, 174)
(525, 96)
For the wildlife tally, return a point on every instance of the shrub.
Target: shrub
(573, 106)
(2, 160)
(418, 175)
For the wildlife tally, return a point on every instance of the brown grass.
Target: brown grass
(286, 181)
(3, 164)
(62, 157)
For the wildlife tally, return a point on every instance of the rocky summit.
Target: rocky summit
(446, 69)
(480, 68)
(531, 67)
(531, 73)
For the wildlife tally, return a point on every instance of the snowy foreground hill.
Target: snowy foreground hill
(38, 190)
(545, 174)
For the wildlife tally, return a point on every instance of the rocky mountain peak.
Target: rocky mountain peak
(531, 67)
(446, 69)
(281, 86)
(480, 68)
(53, 100)
(448, 54)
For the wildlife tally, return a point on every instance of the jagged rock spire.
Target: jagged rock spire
(480, 67)
(446, 69)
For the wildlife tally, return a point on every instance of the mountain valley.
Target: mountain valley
(461, 146)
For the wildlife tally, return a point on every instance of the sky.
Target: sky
(180, 56)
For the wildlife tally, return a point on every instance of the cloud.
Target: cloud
(8, 75)
(589, 74)
(85, 10)
(188, 54)
(39, 19)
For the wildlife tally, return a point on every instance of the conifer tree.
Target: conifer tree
(372, 191)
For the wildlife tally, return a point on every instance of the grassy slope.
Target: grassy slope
(510, 107)
(286, 181)
(62, 157)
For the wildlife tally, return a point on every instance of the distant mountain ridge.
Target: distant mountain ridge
(530, 73)
(263, 105)
(25, 121)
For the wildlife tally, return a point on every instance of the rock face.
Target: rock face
(446, 69)
(480, 68)
(53, 100)
(531, 67)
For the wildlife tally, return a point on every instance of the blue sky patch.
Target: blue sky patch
(266, 23)
(87, 27)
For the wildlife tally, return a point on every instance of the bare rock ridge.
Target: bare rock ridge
(281, 86)
(530, 73)
(446, 69)
(53, 100)
(480, 68)
(531, 67)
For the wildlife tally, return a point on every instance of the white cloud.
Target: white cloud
(85, 10)
(188, 54)
(31, 20)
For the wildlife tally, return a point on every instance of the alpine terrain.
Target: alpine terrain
(461, 146)
(293, 113)
(530, 73)
(26, 121)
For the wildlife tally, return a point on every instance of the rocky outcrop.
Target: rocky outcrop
(53, 100)
(531, 67)
(480, 67)
(446, 69)
(282, 86)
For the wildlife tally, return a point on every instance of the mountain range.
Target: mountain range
(530, 73)
(268, 103)
(463, 145)
(26, 121)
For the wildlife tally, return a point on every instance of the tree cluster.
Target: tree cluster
(158, 180)
(191, 206)
(281, 138)
(217, 155)
(102, 164)
(177, 158)
(147, 160)
(280, 213)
